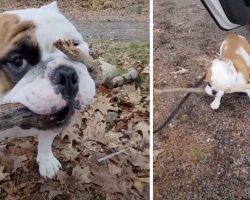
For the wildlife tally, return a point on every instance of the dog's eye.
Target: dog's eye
(19, 63)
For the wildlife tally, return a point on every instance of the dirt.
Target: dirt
(201, 154)
(106, 20)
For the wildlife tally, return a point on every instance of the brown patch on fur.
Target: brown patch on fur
(231, 44)
(11, 32)
(5, 83)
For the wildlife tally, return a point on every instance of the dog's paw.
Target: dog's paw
(48, 165)
(215, 105)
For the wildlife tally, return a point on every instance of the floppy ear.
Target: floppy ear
(52, 6)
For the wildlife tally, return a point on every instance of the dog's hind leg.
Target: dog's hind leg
(216, 102)
(48, 164)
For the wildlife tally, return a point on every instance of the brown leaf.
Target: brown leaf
(81, 174)
(114, 169)
(138, 160)
(133, 94)
(62, 176)
(3, 176)
(144, 128)
(18, 162)
(157, 152)
(52, 192)
(107, 182)
(68, 152)
(103, 104)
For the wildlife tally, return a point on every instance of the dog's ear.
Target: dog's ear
(52, 6)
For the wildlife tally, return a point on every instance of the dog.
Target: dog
(231, 71)
(36, 74)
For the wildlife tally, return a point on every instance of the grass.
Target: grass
(124, 55)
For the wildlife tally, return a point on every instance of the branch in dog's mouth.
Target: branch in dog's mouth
(12, 115)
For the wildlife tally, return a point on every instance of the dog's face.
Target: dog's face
(32, 71)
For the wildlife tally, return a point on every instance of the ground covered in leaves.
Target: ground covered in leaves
(117, 121)
(201, 154)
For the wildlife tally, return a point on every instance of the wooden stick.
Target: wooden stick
(184, 90)
(68, 48)
(112, 155)
(102, 72)
(18, 115)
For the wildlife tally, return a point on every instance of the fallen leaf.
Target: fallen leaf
(52, 192)
(62, 177)
(3, 176)
(133, 94)
(18, 162)
(144, 128)
(180, 71)
(157, 152)
(68, 152)
(114, 169)
(138, 160)
(81, 174)
(103, 104)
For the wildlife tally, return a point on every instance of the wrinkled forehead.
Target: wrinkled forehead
(50, 25)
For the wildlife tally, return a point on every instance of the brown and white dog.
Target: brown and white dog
(36, 74)
(230, 72)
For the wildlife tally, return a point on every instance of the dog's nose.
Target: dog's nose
(66, 82)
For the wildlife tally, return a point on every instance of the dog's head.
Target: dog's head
(32, 71)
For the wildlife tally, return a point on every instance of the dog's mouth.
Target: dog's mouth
(62, 116)
(58, 119)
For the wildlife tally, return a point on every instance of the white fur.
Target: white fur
(35, 90)
(48, 164)
(242, 52)
(224, 76)
(216, 102)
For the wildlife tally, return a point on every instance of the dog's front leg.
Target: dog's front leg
(48, 164)
(216, 102)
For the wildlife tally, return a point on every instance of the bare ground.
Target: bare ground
(201, 154)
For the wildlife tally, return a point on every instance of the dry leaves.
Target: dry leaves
(117, 121)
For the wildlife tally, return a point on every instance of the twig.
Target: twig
(112, 155)
(178, 107)
(187, 90)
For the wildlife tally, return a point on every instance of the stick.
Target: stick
(122, 79)
(18, 115)
(112, 155)
(185, 90)
(68, 48)
(102, 72)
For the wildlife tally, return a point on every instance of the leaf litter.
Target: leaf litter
(114, 130)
